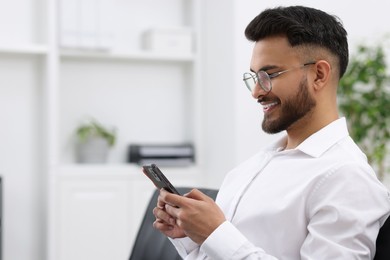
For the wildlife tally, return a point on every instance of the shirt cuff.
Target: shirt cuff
(184, 246)
(224, 242)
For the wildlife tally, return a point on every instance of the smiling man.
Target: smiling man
(312, 194)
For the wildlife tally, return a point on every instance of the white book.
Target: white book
(69, 22)
(105, 24)
(89, 24)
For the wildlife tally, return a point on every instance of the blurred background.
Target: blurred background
(162, 76)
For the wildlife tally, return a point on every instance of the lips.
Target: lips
(268, 106)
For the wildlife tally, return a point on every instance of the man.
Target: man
(312, 194)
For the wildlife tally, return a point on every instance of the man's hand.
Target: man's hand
(165, 223)
(194, 215)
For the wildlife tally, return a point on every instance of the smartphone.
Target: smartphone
(158, 178)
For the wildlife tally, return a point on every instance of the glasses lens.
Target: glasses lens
(250, 81)
(264, 80)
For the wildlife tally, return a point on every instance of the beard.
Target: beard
(292, 110)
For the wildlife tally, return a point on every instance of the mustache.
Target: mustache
(266, 99)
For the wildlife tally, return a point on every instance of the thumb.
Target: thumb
(197, 195)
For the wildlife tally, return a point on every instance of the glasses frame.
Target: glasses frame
(261, 74)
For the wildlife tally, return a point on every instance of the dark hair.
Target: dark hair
(302, 26)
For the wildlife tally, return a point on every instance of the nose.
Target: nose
(258, 91)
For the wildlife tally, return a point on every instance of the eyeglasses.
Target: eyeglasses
(264, 78)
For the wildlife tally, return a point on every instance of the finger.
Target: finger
(197, 195)
(162, 226)
(163, 216)
(172, 199)
(160, 202)
(172, 211)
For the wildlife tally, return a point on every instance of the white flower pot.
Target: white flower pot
(94, 150)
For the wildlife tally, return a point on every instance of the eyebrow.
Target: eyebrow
(265, 68)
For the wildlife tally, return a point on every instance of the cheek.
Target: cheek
(283, 92)
(290, 87)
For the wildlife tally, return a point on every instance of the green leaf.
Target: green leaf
(364, 98)
(93, 128)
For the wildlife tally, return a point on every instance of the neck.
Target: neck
(306, 126)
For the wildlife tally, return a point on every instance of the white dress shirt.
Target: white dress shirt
(318, 201)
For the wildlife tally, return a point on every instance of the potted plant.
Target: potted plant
(94, 141)
(364, 96)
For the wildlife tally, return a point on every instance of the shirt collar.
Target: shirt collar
(319, 142)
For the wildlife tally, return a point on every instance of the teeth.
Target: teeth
(269, 105)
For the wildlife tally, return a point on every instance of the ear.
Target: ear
(323, 74)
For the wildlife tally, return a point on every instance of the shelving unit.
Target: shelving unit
(151, 97)
(141, 93)
(152, 85)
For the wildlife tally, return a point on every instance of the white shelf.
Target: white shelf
(24, 49)
(119, 169)
(136, 55)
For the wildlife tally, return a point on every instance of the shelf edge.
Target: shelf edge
(116, 169)
(24, 49)
(136, 56)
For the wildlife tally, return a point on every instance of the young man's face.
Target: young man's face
(290, 99)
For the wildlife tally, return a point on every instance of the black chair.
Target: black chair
(383, 242)
(150, 244)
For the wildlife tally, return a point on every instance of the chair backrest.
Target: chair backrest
(150, 244)
(383, 242)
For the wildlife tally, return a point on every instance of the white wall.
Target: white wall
(218, 95)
